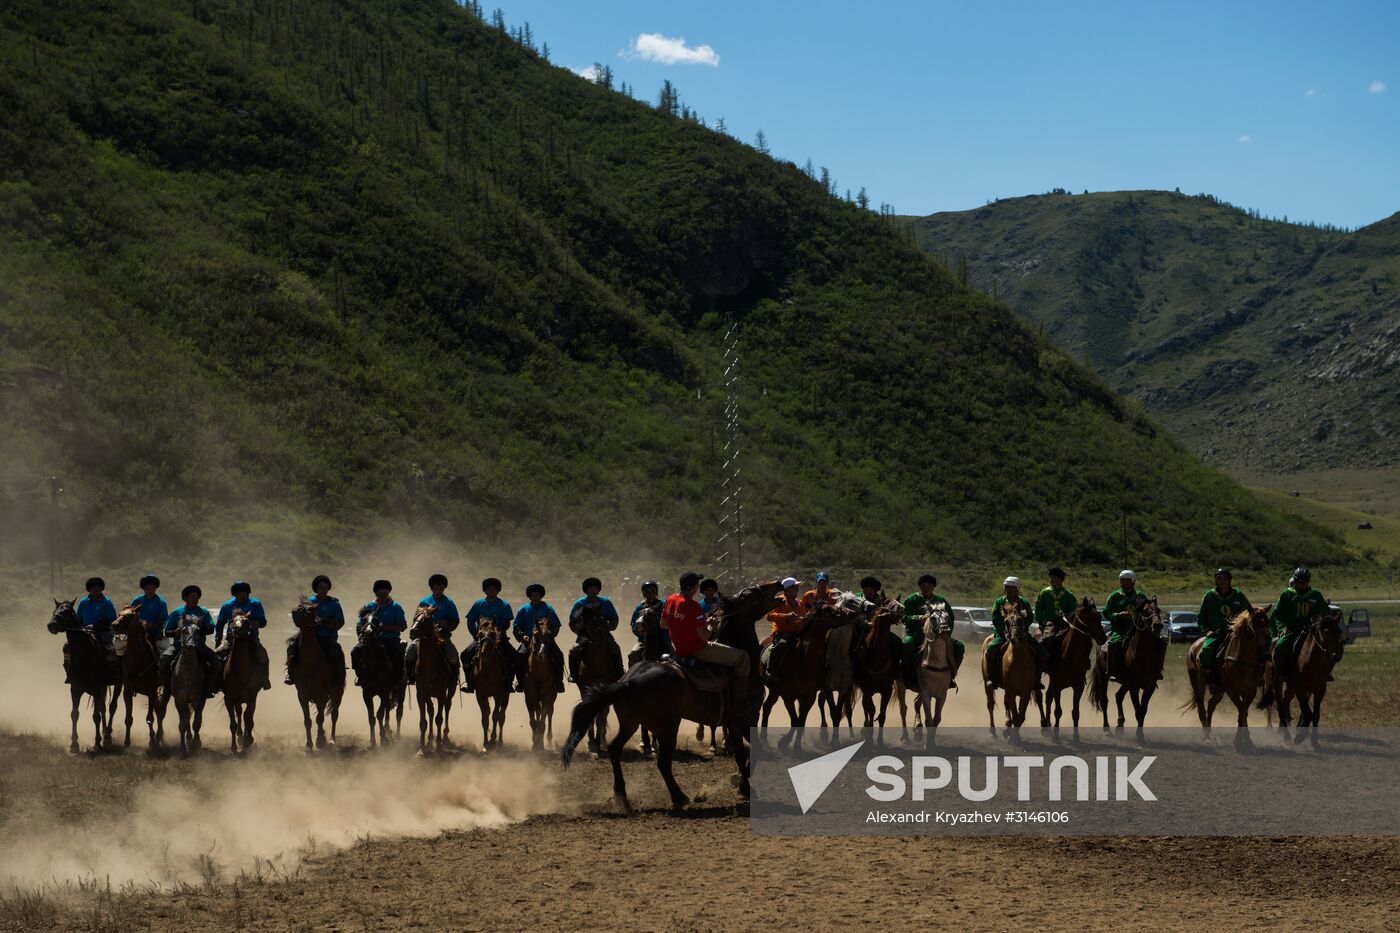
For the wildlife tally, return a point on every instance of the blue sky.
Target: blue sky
(1290, 108)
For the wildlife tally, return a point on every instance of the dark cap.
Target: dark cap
(534, 588)
(491, 581)
(1224, 572)
(98, 582)
(928, 578)
(592, 581)
(652, 584)
(708, 582)
(689, 579)
(1302, 574)
(1056, 572)
(870, 583)
(319, 579)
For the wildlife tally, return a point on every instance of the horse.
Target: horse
(317, 684)
(243, 678)
(838, 685)
(1019, 679)
(598, 667)
(539, 685)
(492, 686)
(1070, 668)
(652, 647)
(381, 681)
(1142, 661)
(800, 669)
(659, 696)
(89, 673)
(877, 665)
(435, 682)
(187, 687)
(1321, 649)
(141, 675)
(935, 670)
(1241, 666)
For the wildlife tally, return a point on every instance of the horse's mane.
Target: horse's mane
(1242, 624)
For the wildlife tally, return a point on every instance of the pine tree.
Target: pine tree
(544, 51)
(808, 169)
(669, 101)
(720, 127)
(863, 199)
(760, 142)
(826, 180)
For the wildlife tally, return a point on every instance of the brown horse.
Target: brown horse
(800, 669)
(317, 684)
(597, 668)
(141, 675)
(1019, 678)
(243, 678)
(1069, 667)
(90, 673)
(435, 683)
(1142, 662)
(381, 680)
(539, 684)
(839, 683)
(1240, 661)
(492, 686)
(1321, 649)
(877, 665)
(187, 686)
(659, 696)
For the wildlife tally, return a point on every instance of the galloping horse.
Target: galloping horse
(435, 682)
(381, 680)
(935, 670)
(1070, 668)
(1241, 663)
(316, 683)
(1142, 661)
(141, 675)
(1319, 652)
(89, 673)
(243, 678)
(659, 696)
(187, 687)
(799, 672)
(492, 686)
(539, 684)
(1019, 680)
(597, 668)
(653, 647)
(838, 684)
(877, 665)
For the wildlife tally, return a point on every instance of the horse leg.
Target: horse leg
(734, 741)
(769, 701)
(423, 702)
(111, 715)
(700, 733)
(233, 729)
(992, 710)
(306, 720)
(1122, 719)
(483, 703)
(195, 741)
(666, 742)
(369, 712)
(320, 725)
(646, 742)
(821, 706)
(1074, 706)
(248, 709)
(1041, 708)
(625, 728)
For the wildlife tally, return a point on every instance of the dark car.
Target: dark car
(1183, 626)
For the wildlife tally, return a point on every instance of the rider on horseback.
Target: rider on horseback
(195, 617)
(493, 611)
(524, 626)
(446, 618)
(590, 600)
(391, 622)
(915, 605)
(1121, 610)
(690, 634)
(1297, 607)
(96, 613)
(651, 599)
(1053, 604)
(253, 608)
(820, 595)
(709, 595)
(1011, 596)
(330, 618)
(1219, 607)
(151, 608)
(787, 620)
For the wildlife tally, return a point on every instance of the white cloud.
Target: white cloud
(654, 47)
(1377, 87)
(589, 73)
(1311, 92)
(1246, 138)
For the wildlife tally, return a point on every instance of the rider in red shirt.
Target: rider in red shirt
(690, 636)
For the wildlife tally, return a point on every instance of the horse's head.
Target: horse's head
(938, 622)
(488, 636)
(1255, 622)
(592, 618)
(1088, 620)
(1328, 629)
(304, 615)
(1014, 618)
(423, 627)
(752, 602)
(191, 632)
(64, 618)
(1149, 617)
(240, 625)
(128, 622)
(543, 634)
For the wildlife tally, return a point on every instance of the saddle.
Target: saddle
(704, 676)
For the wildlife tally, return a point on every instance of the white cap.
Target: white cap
(1012, 581)
(791, 581)
(1128, 575)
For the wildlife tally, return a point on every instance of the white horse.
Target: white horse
(935, 671)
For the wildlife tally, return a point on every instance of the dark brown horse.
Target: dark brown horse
(801, 668)
(317, 685)
(141, 675)
(877, 664)
(90, 673)
(1321, 649)
(434, 684)
(1020, 679)
(492, 679)
(597, 668)
(657, 696)
(1142, 662)
(1069, 667)
(381, 680)
(1240, 660)
(243, 678)
(539, 683)
(653, 646)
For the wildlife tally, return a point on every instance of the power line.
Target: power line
(729, 547)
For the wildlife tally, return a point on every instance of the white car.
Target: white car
(971, 623)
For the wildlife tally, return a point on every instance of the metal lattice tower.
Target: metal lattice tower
(729, 547)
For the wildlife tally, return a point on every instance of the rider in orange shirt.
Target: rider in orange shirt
(787, 621)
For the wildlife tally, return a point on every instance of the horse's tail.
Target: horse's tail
(1098, 692)
(1193, 702)
(596, 699)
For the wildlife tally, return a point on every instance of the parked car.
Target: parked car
(1358, 625)
(971, 624)
(1183, 626)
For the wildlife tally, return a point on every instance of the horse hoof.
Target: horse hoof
(624, 806)
(736, 779)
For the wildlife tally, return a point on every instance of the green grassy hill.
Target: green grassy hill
(291, 271)
(1259, 344)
